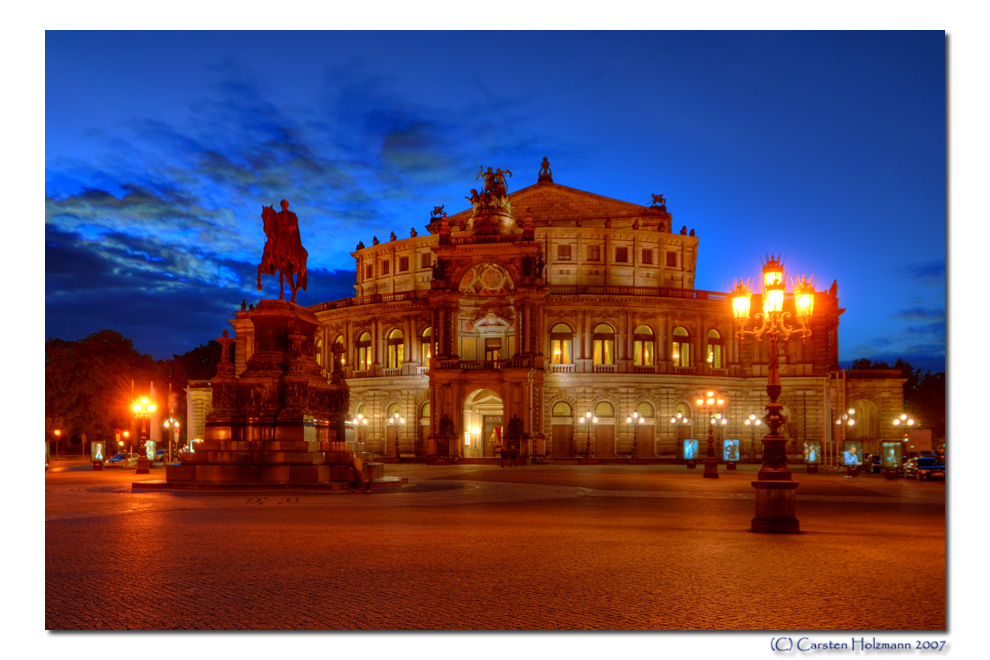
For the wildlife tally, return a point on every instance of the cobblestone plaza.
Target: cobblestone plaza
(482, 548)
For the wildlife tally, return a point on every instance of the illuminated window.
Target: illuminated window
(647, 256)
(319, 351)
(395, 349)
(561, 409)
(621, 255)
(391, 411)
(604, 409)
(594, 253)
(363, 352)
(645, 410)
(426, 346)
(563, 253)
(561, 342)
(716, 350)
(339, 341)
(643, 351)
(603, 344)
(681, 353)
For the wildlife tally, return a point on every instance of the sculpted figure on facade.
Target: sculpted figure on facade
(658, 202)
(283, 252)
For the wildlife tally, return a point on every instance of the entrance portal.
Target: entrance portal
(482, 424)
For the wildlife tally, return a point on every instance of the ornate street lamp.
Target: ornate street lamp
(752, 422)
(588, 419)
(172, 424)
(143, 410)
(775, 491)
(396, 420)
(907, 423)
(679, 420)
(711, 404)
(58, 436)
(636, 419)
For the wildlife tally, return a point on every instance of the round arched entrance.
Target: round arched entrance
(483, 419)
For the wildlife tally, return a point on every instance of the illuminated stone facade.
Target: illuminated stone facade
(516, 321)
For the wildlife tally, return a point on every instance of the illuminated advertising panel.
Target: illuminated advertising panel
(690, 449)
(890, 454)
(97, 451)
(812, 451)
(730, 449)
(852, 452)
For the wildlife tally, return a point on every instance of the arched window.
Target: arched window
(561, 344)
(681, 353)
(716, 350)
(319, 351)
(395, 350)
(424, 412)
(603, 344)
(363, 352)
(392, 410)
(643, 347)
(645, 410)
(339, 341)
(604, 409)
(426, 346)
(561, 409)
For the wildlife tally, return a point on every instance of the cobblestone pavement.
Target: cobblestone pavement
(478, 547)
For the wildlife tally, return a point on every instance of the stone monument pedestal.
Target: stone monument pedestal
(280, 424)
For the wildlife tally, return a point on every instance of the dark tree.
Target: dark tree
(88, 385)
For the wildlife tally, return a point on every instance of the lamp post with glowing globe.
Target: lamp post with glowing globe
(775, 491)
(711, 404)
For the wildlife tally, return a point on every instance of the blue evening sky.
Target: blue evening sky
(161, 147)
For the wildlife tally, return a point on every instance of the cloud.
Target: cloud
(929, 273)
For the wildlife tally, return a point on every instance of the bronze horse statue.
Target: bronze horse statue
(284, 253)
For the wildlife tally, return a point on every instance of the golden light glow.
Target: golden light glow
(741, 299)
(804, 297)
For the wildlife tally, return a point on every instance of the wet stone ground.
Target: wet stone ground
(483, 548)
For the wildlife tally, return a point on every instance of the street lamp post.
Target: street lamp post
(143, 410)
(752, 422)
(396, 420)
(588, 419)
(172, 424)
(679, 420)
(907, 423)
(775, 491)
(711, 404)
(846, 420)
(636, 419)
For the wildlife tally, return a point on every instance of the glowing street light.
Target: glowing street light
(752, 422)
(635, 419)
(588, 419)
(173, 424)
(396, 420)
(712, 404)
(775, 491)
(679, 421)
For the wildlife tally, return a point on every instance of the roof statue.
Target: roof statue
(659, 202)
(492, 210)
(545, 173)
(283, 253)
(437, 212)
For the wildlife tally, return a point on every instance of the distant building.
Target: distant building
(549, 303)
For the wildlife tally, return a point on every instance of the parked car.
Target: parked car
(121, 460)
(924, 467)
